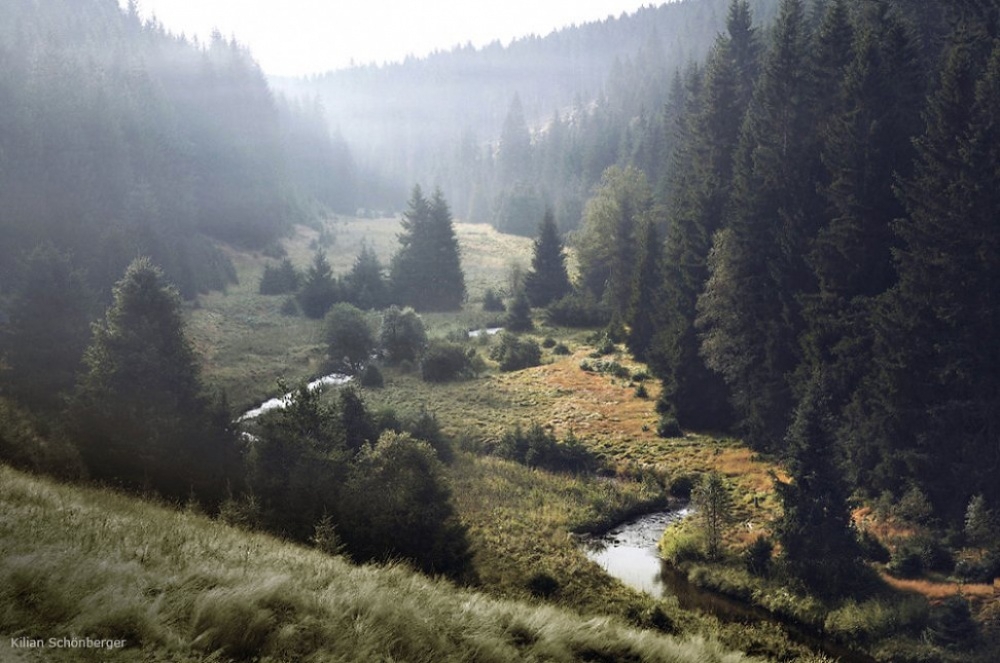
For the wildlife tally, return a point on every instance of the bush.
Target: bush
(952, 625)
(561, 349)
(515, 354)
(425, 427)
(543, 585)
(518, 316)
(290, 307)
(678, 546)
(682, 486)
(538, 448)
(349, 338)
(444, 361)
(669, 427)
(872, 548)
(402, 335)
(757, 556)
(578, 310)
(549, 342)
(371, 377)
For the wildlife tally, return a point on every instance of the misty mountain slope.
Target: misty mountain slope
(430, 119)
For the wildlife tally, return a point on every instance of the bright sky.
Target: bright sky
(300, 37)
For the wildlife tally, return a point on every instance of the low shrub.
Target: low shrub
(537, 447)
(445, 361)
(492, 302)
(669, 427)
(371, 377)
(678, 546)
(578, 310)
(514, 354)
(757, 556)
(543, 585)
(561, 349)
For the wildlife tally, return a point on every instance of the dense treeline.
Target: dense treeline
(505, 130)
(827, 275)
(119, 139)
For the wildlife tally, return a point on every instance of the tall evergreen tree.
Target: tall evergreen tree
(749, 313)
(815, 527)
(366, 284)
(426, 271)
(704, 175)
(608, 244)
(548, 280)
(645, 311)
(320, 289)
(928, 412)
(139, 412)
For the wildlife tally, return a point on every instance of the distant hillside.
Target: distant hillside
(425, 118)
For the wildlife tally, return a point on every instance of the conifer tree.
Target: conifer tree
(366, 285)
(815, 527)
(319, 289)
(928, 411)
(548, 280)
(426, 271)
(608, 243)
(749, 313)
(139, 412)
(697, 396)
(645, 312)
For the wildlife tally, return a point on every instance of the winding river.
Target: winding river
(629, 552)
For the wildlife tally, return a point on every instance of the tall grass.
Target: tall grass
(180, 587)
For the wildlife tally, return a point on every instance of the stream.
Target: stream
(629, 552)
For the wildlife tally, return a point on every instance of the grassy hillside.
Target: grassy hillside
(178, 586)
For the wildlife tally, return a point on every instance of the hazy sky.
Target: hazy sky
(297, 37)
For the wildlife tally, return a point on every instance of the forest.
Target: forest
(738, 257)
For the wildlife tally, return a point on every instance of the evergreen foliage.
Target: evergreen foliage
(548, 280)
(280, 280)
(397, 504)
(47, 329)
(815, 527)
(515, 354)
(645, 311)
(139, 412)
(366, 285)
(518, 318)
(426, 271)
(713, 505)
(320, 289)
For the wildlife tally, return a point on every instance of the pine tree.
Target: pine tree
(608, 244)
(815, 527)
(319, 289)
(426, 271)
(41, 349)
(139, 412)
(366, 285)
(548, 280)
(749, 313)
(928, 411)
(518, 316)
(645, 312)
(702, 189)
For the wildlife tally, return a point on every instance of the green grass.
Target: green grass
(180, 587)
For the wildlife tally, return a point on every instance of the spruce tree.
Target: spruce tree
(426, 271)
(366, 285)
(548, 280)
(319, 289)
(815, 526)
(139, 412)
(749, 313)
(645, 312)
(702, 189)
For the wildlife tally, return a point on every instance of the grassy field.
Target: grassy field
(177, 586)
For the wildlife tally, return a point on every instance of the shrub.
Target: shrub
(425, 427)
(560, 349)
(518, 316)
(402, 335)
(537, 447)
(326, 539)
(678, 546)
(757, 556)
(290, 307)
(872, 548)
(669, 427)
(349, 338)
(641, 391)
(371, 377)
(681, 486)
(578, 310)
(514, 354)
(444, 361)
(549, 342)
(952, 625)
(543, 585)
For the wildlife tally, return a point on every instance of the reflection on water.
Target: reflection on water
(629, 551)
